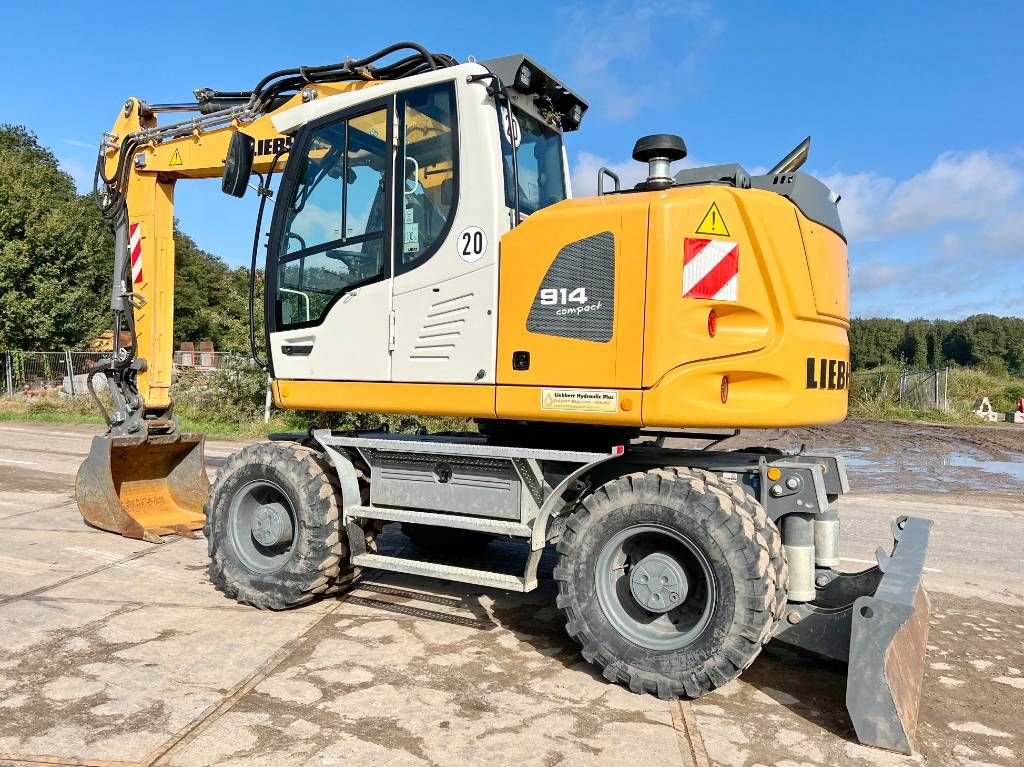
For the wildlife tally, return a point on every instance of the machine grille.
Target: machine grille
(442, 328)
(577, 296)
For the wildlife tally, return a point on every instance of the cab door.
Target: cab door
(448, 226)
(329, 279)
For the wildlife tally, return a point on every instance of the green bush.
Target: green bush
(230, 396)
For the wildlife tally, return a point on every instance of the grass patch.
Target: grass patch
(229, 404)
(874, 394)
(237, 398)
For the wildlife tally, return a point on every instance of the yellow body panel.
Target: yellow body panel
(527, 252)
(461, 400)
(792, 304)
(151, 202)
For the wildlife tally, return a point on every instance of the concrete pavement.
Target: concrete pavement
(120, 652)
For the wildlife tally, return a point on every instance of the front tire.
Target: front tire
(666, 582)
(273, 527)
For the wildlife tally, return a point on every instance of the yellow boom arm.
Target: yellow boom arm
(156, 164)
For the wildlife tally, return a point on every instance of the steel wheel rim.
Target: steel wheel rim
(242, 517)
(674, 629)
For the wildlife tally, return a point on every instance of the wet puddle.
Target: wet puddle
(1013, 468)
(934, 472)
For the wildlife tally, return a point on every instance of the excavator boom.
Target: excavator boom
(145, 478)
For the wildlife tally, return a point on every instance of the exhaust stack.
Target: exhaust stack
(659, 151)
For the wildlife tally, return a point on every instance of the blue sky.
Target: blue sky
(915, 108)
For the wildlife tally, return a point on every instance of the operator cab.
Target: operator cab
(388, 218)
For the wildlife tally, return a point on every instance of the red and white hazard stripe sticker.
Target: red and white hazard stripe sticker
(711, 269)
(135, 248)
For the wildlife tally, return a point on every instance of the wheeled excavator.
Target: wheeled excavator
(425, 255)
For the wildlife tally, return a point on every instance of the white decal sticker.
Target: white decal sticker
(412, 237)
(580, 400)
(471, 243)
(513, 132)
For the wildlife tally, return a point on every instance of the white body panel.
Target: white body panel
(408, 312)
(351, 344)
(446, 333)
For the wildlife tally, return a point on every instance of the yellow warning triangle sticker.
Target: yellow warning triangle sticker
(176, 158)
(713, 223)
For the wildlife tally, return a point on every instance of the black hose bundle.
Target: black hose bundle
(268, 94)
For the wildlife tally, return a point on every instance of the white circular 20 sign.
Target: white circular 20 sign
(471, 244)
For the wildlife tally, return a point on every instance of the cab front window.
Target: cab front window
(538, 149)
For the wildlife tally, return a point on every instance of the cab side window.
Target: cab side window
(428, 171)
(335, 221)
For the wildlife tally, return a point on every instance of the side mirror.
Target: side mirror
(238, 164)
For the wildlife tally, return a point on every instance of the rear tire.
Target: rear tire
(273, 527)
(675, 527)
(767, 529)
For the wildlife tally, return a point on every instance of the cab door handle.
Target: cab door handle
(297, 350)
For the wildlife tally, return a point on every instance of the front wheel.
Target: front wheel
(666, 582)
(273, 527)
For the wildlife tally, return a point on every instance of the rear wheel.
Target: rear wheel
(666, 582)
(766, 528)
(273, 527)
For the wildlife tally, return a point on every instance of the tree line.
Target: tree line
(56, 258)
(56, 263)
(994, 343)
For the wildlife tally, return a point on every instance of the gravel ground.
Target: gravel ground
(120, 652)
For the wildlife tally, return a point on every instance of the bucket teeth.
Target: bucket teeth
(144, 489)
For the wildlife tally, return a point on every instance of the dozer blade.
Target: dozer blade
(144, 488)
(877, 621)
(888, 644)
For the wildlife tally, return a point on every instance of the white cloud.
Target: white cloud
(584, 173)
(933, 244)
(974, 186)
(948, 234)
(630, 172)
(82, 144)
(610, 39)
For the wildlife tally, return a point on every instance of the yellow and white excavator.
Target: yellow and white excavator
(425, 255)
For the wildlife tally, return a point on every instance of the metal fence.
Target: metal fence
(207, 360)
(41, 375)
(925, 389)
(913, 389)
(46, 374)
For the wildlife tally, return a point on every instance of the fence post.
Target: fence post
(71, 371)
(10, 377)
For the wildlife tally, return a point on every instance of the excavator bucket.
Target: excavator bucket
(144, 488)
(875, 620)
